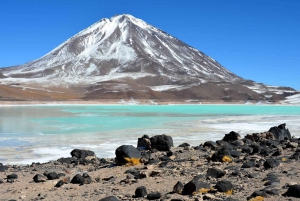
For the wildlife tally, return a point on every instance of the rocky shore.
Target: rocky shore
(259, 166)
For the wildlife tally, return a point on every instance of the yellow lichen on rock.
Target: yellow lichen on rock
(204, 190)
(132, 161)
(229, 192)
(226, 159)
(284, 159)
(257, 198)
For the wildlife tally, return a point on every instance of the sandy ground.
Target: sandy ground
(184, 165)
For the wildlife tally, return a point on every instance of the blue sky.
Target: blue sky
(257, 39)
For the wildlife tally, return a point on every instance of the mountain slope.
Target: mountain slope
(123, 57)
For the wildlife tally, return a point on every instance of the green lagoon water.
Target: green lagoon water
(44, 132)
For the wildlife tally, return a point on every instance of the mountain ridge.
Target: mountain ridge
(126, 51)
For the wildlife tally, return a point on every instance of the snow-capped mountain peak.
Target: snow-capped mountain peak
(132, 54)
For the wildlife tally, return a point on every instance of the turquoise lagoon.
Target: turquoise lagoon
(40, 133)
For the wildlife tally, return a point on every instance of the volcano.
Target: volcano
(124, 57)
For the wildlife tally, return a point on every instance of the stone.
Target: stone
(222, 155)
(12, 176)
(263, 193)
(140, 192)
(109, 198)
(195, 186)
(52, 176)
(81, 153)
(162, 142)
(86, 179)
(127, 155)
(271, 178)
(77, 179)
(60, 175)
(247, 149)
(293, 191)
(248, 164)
(3, 168)
(292, 145)
(68, 160)
(232, 136)
(256, 149)
(295, 156)
(280, 132)
(271, 163)
(178, 187)
(144, 143)
(39, 178)
(154, 196)
(59, 184)
(210, 144)
(184, 145)
(224, 186)
(235, 153)
(215, 173)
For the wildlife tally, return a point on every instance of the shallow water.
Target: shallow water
(44, 132)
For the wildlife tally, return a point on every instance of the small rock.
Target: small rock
(154, 196)
(127, 155)
(39, 178)
(162, 142)
(224, 186)
(109, 198)
(77, 179)
(215, 173)
(293, 191)
(52, 176)
(59, 184)
(178, 187)
(271, 163)
(248, 164)
(141, 192)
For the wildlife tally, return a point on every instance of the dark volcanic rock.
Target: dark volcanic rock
(210, 144)
(248, 164)
(77, 179)
(39, 178)
(295, 156)
(86, 179)
(59, 184)
(12, 176)
(140, 192)
(271, 178)
(195, 186)
(109, 198)
(280, 132)
(144, 142)
(68, 160)
(82, 153)
(293, 191)
(184, 145)
(232, 136)
(3, 168)
(178, 187)
(52, 175)
(271, 163)
(154, 196)
(221, 155)
(126, 153)
(215, 173)
(161, 142)
(235, 153)
(224, 186)
(263, 193)
(247, 149)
